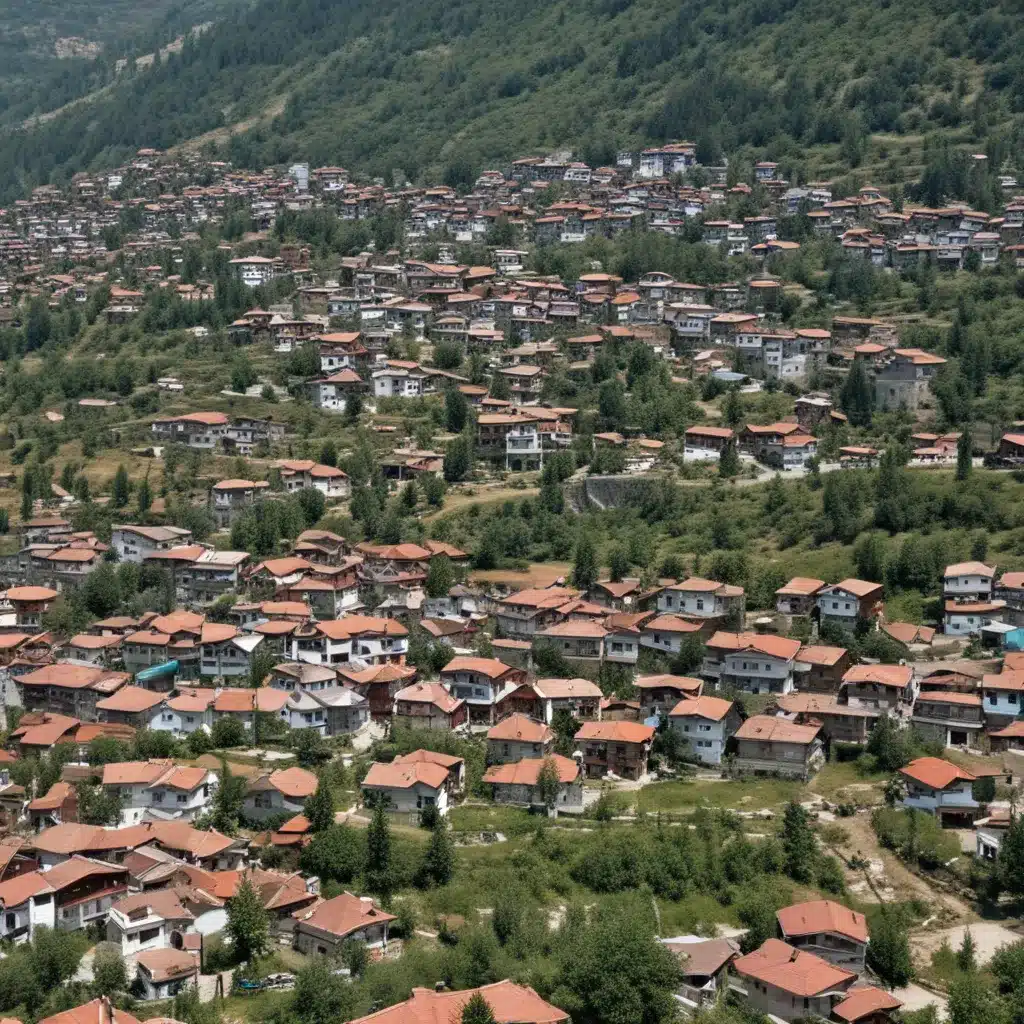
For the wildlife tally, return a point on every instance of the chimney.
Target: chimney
(439, 986)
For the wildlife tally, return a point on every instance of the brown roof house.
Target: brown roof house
(517, 737)
(323, 928)
(615, 748)
(827, 929)
(518, 784)
(767, 745)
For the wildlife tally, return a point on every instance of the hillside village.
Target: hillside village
(274, 624)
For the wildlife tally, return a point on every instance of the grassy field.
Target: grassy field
(736, 794)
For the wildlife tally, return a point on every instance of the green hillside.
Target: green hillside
(446, 87)
(52, 51)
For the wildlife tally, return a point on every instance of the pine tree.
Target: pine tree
(584, 568)
(732, 408)
(439, 861)
(477, 1011)
(729, 461)
(319, 809)
(456, 411)
(458, 459)
(618, 563)
(965, 955)
(144, 497)
(120, 489)
(1011, 858)
(799, 843)
(248, 924)
(855, 397)
(378, 853)
(964, 447)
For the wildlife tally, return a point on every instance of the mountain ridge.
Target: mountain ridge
(439, 90)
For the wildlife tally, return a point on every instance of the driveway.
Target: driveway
(914, 997)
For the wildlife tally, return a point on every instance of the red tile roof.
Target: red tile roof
(935, 773)
(342, 915)
(794, 971)
(820, 916)
(510, 1003)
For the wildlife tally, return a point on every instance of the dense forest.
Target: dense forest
(439, 88)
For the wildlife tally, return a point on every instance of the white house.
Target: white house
(700, 598)
(968, 581)
(254, 271)
(938, 787)
(188, 712)
(705, 723)
(752, 662)
(846, 602)
(964, 618)
(163, 973)
(789, 983)
(148, 920)
(159, 790)
(335, 711)
(1002, 697)
(26, 903)
(407, 787)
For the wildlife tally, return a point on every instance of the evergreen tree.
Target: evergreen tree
(964, 446)
(319, 809)
(329, 454)
(799, 843)
(248, 923)
(440, 576)
(729, 461)
(965, 955)
(458, 459)
(889, 949)
(144, 498)
(855, 397)
(732, 408)
(439, 861)
(228, 796)
(477, 1011)
(120, 489)
(456, 411)
(618, 563)
(1010, 865)
(584, 568)
(379, 871)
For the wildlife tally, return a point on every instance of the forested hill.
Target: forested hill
(54, 50)
(446, 87)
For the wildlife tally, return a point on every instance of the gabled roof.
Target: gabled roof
(819, 916)
(859, 588)
(430, 693)
(794, 971)
(490, 667)
(510, 1003)
(865, 1001)
(714, 709)
(616, 732)
(522, 729)
(935, 773)
(97, 1011)
(405, 775)
(527, 771)
(893, 676)
(342, 915)
(776, 730)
